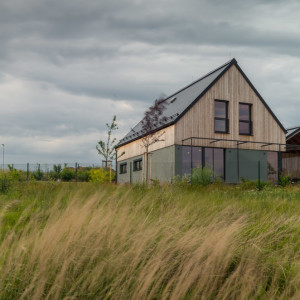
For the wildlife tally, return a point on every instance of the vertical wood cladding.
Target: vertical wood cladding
(232, 86)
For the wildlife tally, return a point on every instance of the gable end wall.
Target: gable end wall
(232, 86)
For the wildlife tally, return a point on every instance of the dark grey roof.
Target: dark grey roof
(292, 132)
(184, 99)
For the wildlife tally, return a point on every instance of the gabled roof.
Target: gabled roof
(291, 132)
(293, 138)
(181, 101)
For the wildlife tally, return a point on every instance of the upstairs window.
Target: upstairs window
(137, 165)
(221, 116)
(245, 122)
(123, 168)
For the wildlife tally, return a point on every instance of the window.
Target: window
(221, 116)
(186, 160)
(123, 168)
(214, 159)
(137, 165)
(197, 157)
(245, 123)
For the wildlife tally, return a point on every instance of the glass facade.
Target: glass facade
(192, 157)
(186, 160)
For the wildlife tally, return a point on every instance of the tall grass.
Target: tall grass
(86, 242)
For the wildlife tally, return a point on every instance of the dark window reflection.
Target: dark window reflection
(244, 112)
(221, 116)
(245, 123)
(220, 125)
(186, 160)
(220, 109)
(209, 159)
(272, 166)
(244, 128)
(197, 157)
(192, 158)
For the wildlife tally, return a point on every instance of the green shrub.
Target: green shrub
(247, 184)
(37, 174)
(203, 176)
(5, 183)
(83, 175)
(101, 176)
(284, 180)
(67, 174)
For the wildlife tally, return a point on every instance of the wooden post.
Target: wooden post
(150, 168)
(110, 172)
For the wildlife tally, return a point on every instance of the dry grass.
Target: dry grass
(82, 242)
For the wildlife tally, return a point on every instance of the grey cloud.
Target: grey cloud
(73, 64)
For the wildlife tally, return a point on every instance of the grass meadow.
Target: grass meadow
(85, 241)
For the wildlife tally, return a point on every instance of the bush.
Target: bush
(67, 174)
(203, 176)
(101, 176)
(38, 173)
(247, 184)
(5, 183)
(284, 180)
(83, 175)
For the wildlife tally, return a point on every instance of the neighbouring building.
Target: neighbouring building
(219, 121)
(291, 158)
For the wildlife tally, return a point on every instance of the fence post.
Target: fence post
(39, 170)
(27, 172)
(259, 175)
(76, 167)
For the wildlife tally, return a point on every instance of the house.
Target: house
(219, 121)
(291, 158)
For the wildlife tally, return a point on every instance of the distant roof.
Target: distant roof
(184, 99)
(292, 132)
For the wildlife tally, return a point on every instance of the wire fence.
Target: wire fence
(46, 172)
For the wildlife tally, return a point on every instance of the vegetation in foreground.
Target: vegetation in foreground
(82, 241)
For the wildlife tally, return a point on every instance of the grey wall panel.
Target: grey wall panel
(247, 160)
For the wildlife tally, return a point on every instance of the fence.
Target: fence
(67, 171)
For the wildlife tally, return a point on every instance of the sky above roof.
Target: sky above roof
(67, 66)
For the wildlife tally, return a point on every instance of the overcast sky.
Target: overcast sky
(67, 66)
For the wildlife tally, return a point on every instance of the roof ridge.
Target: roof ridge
(232, 61)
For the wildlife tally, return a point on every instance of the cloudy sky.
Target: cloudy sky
(67, 66)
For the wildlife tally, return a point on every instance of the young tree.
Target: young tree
(108, 149)
(153, 119)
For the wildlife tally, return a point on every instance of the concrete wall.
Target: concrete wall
(163, 167)
(248, 165)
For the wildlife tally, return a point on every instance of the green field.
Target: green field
(85, 241)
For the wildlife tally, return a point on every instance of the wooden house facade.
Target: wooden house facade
(291, 158)
(219, 121)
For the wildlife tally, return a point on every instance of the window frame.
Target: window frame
(137, 165)
(246, 121)
(226, 119)
(121, 168)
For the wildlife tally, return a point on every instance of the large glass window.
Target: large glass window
(192, 159)
(245, 123)
(186, 160)
(272, 166)
(221, 116)
(196, 157)
(214, 159)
